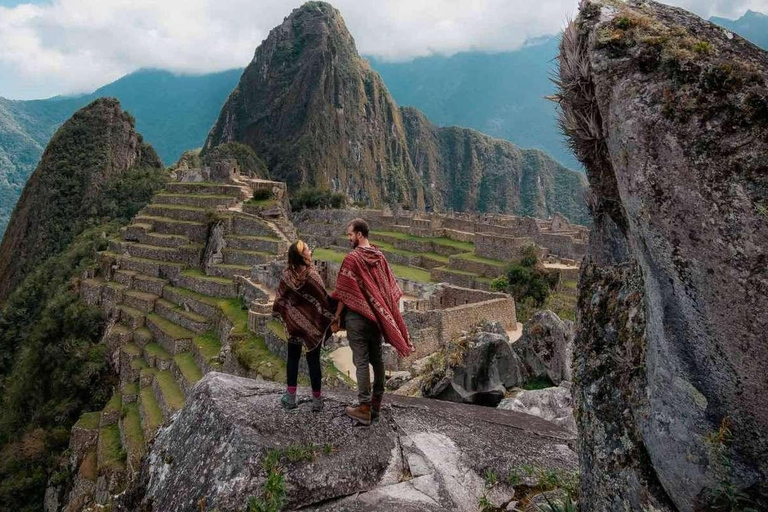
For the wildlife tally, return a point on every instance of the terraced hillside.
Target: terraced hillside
(428, 260)
(178, 311)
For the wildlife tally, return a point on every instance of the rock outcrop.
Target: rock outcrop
(554, 404)
(546, 347)
(316, 112)
(232, 436)
(478, 369)
(669, 115)
(95, 146)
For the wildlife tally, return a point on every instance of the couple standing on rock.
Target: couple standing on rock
(365, 302)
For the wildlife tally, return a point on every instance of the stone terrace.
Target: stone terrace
(176, 286)
(461, 249)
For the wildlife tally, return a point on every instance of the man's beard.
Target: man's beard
(354, 243)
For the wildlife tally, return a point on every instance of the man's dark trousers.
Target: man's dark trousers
(365, 342)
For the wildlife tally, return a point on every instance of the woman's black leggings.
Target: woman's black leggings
(313, 362)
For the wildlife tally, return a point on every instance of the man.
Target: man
(369, 300)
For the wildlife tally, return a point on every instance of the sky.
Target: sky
(57, 47)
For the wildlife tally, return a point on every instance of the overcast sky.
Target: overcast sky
(73, 46)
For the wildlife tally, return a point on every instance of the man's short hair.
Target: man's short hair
(359, 226)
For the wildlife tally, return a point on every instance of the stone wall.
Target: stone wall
(504, 248)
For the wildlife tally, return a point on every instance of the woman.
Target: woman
(307, 312)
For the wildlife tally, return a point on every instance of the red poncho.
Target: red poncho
(367, 286)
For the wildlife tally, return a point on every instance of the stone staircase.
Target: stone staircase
(173, 317)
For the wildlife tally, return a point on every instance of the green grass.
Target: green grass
(412, 273)
(328, 255)
(457, 271)
(213, 196)
(479, 259)
(403, 271)
(156, 350)
(252, 353)
(152, 412)
(178, 309)
(199, 274)
(177, 207)
(387, 247)
(169, 220)
(441, 240)
(89, 420)
(205, 299)
(173, 330)
(252, 237)
(131, 388)
(111, 449)
(208, 345)
(139, 364)
(115, 404)
(133, 433)
(186, 363)
(233, 309)
(149, 371)
(277, 329)
(173, 395)
(131, 349)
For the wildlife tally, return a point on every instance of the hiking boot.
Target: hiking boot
(317, 403)
(361, 413)
(376, 406)
(288, 401)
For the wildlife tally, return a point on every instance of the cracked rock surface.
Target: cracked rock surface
(420, 455)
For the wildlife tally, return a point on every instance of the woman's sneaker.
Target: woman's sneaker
(317, 403)
(288, 401)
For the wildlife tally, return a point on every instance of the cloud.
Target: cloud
(71, 46)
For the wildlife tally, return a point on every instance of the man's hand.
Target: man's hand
(335, 326)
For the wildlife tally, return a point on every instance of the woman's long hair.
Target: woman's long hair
(296, 258)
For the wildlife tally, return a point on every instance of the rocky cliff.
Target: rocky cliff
(68, 189)
(669, 115)
(232, 445)
(317, 113)
(467, 170)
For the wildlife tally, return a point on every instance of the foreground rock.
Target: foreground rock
(553, 404)
(478, 369)
(421, 455)
(669, 115)
(546, 347)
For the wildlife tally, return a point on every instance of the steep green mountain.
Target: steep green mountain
(752, 26)
(95, 174)
(72, 186)
(318, 115)
(174, 112)
(501, 94)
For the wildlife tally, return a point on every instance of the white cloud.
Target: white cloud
(71, 46)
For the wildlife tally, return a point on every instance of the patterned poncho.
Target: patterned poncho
(367, 286)
(304, 306)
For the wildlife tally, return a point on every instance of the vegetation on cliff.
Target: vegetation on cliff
(75, 186)
(95, 175)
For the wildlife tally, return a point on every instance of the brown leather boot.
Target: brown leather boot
(376, 406)
(361, 413)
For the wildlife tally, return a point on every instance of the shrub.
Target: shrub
(311, 198)
(262, 195)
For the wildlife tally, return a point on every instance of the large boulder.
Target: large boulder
(478, 369)
(546, 346)
(232, 435)
(554, 404)
(669, 114)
